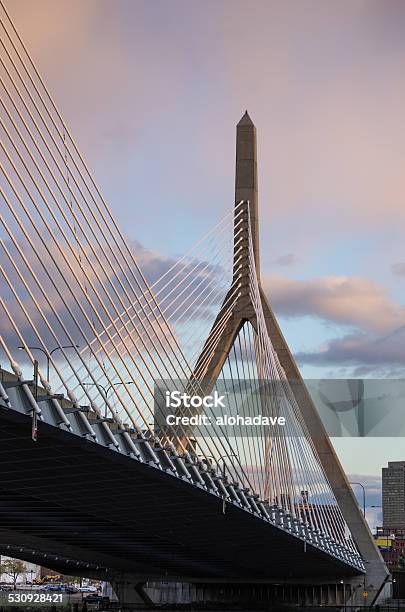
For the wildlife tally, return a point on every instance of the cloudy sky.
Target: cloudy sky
(153, 90)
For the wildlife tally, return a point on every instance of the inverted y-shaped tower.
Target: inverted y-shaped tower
(246, 201)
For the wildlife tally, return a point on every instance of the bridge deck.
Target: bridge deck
(75, 504)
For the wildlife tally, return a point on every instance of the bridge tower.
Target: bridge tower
(246, 191)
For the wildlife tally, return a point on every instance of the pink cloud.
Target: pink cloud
(352, 301)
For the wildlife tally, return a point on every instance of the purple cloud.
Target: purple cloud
(398, 268)
(368, 352)
(351, 301)
(285, 260)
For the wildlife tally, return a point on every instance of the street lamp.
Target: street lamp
(107, 390)
(47, 354)
(222, 458)
(342, 582)
(364, 496)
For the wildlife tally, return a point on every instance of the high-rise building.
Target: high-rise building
(393, 495)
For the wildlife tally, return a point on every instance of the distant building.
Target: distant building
(393, 495)
(391, 543)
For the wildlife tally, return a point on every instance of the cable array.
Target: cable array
(72, 285)
(293, 476)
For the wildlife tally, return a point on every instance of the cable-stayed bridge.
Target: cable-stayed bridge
(94, 479)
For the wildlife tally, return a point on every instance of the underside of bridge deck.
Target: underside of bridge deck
(79, 507)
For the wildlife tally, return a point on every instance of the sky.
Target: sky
(152, 92)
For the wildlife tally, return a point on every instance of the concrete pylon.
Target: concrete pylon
(246, 190)
(247, 202)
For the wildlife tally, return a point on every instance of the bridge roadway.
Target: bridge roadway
(89, 499)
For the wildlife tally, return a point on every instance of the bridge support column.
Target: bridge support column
(131, 594)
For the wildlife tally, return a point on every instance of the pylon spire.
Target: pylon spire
(246, 177)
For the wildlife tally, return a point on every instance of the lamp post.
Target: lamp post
(342, 582)
(364, 496)
(107, 390)
(222, 458)
(48, 353)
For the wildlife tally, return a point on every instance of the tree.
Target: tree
(13, 568)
